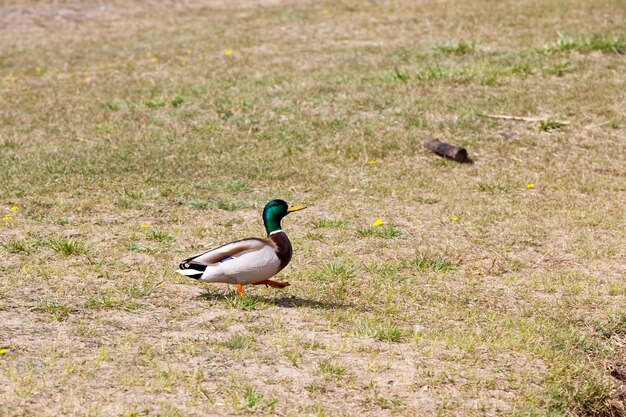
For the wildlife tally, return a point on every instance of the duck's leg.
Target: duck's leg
(240, 289)
(273, 284)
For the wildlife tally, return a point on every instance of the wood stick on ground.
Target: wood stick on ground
(521, 118)
(457, 153)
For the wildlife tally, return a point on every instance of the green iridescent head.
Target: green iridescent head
(274, 212)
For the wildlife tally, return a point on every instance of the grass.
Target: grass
(111, 301)
(238, 186)
(395, 75)
(550, 125)
(244, 303)
(425, 261)
(330, 369)
(615, 326)
(335, 271)
(198, 204)
(492, 188)
(55, 309)
(456, 48)
(160, 236)
(237, 341)
(15, 246)
(596, 42)
(382, 331)
(386, 231)
(133, 246)
(67, 247)
(250, 400)
(129, 140)
(328, 224)
(140, 290)
(227, 206)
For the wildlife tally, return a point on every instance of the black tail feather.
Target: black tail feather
(186, 265)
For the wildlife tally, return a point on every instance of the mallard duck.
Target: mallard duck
(247, 261)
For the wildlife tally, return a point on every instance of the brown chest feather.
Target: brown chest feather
(282, 247)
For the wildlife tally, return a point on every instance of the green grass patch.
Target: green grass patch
(177, 101)
(226, 206)
(384, 331)
(243, 303)
(198, 204)
(334, 272)
(328, 224)
(396, 75)
(68, 247)
(110, 301)
(249, 399)
(238, 186)
(160, 236)
(133, 246)
(386, 232)
(238, 342)
(15, 245)
(387, 271)
(613, 326)
(140, 290)
(550, 125)
(425, 261)
(598, 42)
(455, 48)
(491, 188)
(54, 308)
(331, 369)
(155, 103)
(560, 69)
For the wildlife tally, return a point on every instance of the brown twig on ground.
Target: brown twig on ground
(521, 118)
(457, 153)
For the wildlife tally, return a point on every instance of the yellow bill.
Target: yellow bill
(291, 209)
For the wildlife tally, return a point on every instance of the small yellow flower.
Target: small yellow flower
(14, 208)
(6, 218)
(530, 186)
(228, 52)
(13, 78)
(325, 12)
(455, 219)
(87, 80)
(374, 148)
(3, 351)
(38, 70)
(189, 52)
(378, 223)
(149, 54)
(153, 59)
(372, 162)
(183, 62)
(144, 226)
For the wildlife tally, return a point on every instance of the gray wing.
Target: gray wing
(229, 250)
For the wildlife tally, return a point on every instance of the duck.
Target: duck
(251, 261)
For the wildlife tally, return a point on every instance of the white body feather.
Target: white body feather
(249, 268)
(247, 261)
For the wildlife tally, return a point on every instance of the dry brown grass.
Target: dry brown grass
(478, 295)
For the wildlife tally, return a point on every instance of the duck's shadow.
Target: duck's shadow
(282, 301)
